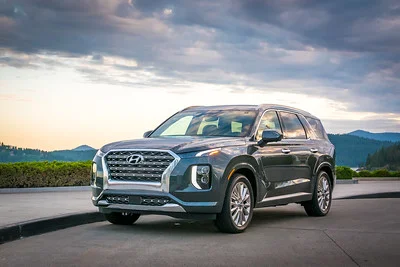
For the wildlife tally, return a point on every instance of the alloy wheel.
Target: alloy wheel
(323, 194)
(240, 204)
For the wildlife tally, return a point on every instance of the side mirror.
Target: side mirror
(270, 136)
(146, 134)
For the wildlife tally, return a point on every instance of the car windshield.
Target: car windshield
(208, 123)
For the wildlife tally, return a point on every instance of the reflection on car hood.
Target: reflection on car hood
(176, 144)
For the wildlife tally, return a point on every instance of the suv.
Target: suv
(218, 163)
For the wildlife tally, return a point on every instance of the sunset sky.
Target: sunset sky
(95, 71)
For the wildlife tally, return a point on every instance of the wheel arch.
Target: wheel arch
(247, 166)
(329, 169)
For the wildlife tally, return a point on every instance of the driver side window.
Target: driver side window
(268, 121)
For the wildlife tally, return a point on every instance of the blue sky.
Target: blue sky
(69, 70)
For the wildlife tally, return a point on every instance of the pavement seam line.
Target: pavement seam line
(342, 249)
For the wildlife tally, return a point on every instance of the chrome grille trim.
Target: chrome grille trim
(159, 184)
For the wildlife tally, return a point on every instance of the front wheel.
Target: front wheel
(122, 218)
(320, 204)
(238, 206)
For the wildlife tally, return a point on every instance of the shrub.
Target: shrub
(44, 174)
(343, 172)
(395, 174)
(364, 173)
(380, 173)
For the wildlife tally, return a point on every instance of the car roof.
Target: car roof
(260, 107)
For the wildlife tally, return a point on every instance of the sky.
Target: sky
(95, 71)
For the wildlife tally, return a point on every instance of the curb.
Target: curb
(44, 189)
(346, 181)
(41, 226)
(372, 196)
(378, 179)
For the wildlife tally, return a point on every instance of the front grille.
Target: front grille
(138, 200)
(149, 170)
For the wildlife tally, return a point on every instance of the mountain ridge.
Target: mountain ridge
(351, 150)
(83, 148)
(383, 136)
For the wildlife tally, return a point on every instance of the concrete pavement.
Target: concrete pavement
(20, 207)
(36, 204)
(360, 232)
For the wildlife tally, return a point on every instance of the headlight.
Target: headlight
(100, 153)
(201, 176)
(210, 152)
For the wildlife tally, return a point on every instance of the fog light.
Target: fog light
(201, 176)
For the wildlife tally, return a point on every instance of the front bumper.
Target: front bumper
(175, 186)
(140, 201)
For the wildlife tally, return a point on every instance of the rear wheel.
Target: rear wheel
(122, 218)
(320, 204)
(238, 206)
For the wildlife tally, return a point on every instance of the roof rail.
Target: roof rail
(191, 107)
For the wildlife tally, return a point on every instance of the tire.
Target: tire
(237, 210)
(122, 218)
(321, 202)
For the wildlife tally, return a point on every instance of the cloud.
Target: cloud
(345, 51)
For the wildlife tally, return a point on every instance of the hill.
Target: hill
(386, 136)
(83, 148)
(17, 154)
(352, 150)
(385, 157)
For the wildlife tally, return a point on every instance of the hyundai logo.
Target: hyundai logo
(135, 159)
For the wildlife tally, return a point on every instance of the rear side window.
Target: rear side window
(317, 127)
(292, 127)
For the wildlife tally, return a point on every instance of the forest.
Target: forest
(385, 157)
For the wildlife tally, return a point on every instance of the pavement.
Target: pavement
(357, 232)
(28, 212)
(22, 205)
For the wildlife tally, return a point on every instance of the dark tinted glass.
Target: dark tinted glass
(268, 121)
(317, 127)
(292, 127)
(208, 123)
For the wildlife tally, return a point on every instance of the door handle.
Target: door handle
(314, 150)
(285, 150)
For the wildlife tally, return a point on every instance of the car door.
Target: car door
(296, 179)
(272, 157)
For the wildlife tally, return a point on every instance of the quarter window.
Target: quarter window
(268, 121)
(317, 127)
(292, 127)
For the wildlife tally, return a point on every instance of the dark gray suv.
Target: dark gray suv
(218, 163)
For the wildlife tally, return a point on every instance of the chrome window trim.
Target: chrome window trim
(259, 122)
(163, 186)
(280, 123)
(297, 115)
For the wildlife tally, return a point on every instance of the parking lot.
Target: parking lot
(357, 232)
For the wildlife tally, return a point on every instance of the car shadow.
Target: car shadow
(154, 224)
(269, 216)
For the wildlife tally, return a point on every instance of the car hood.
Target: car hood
(176, 144)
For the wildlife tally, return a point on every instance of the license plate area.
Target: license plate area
(135, 200)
